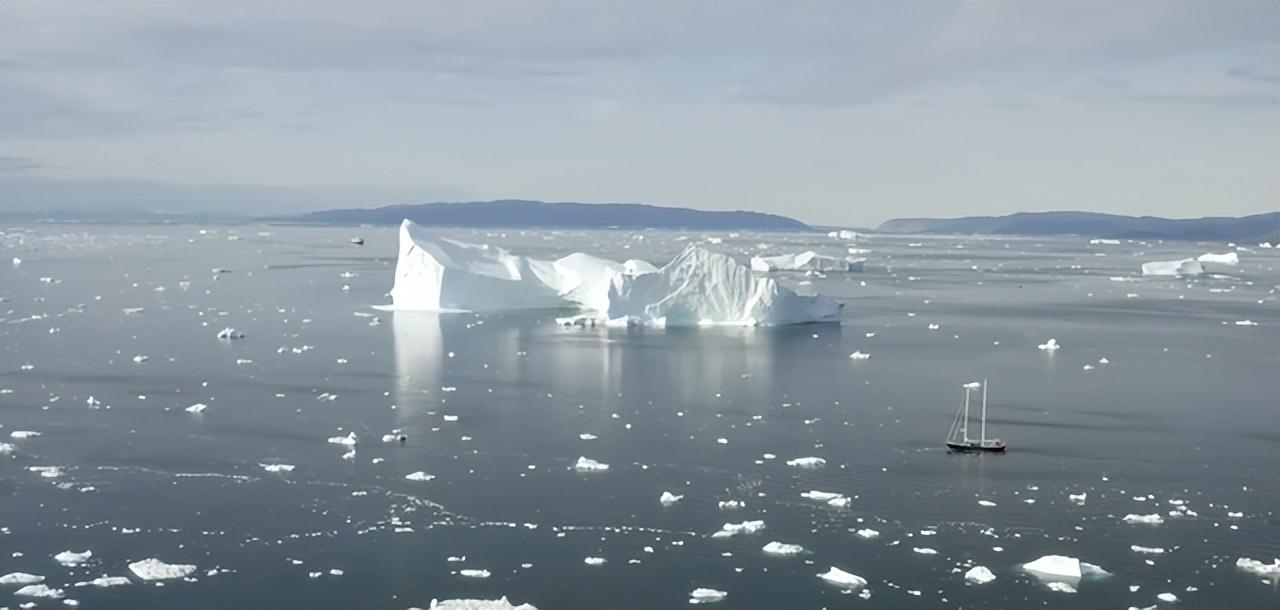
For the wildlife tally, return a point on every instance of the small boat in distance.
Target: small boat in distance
(958, 438)
(359, 241)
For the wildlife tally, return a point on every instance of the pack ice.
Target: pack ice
(805, 261)
(698, 287)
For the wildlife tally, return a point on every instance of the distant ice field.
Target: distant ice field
(325, 454)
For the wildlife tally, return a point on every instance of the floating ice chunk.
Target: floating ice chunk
(229, 333)
(925, 550)
(586, 436)
(71, 558)
(277, 467)
(934, 326)
(20, 578)
(1170, 598)
(1061, 587)
(821, 496)
(24, 434)
(7, 448)
(782, 548)
(986, 503)
(595, 561)
(1266, 570)
(419, 476)
(1050, 345)
(844, 234)
(197, 408)
(1079, 498)
(807, 462)
(349, 440)
(703, 595)
(668, 498)
(44, 591)
(805, 261)
(1186, 266)
(840, 502)
(859, 356)
(868, 533)
(841, 578)
(1230, 258)
(723, 504)
(1152, 519)
(16, 261)
(154, 569)
(1104, 242)
(979, 575)
(1055, 566)
(393, 437)
(586, 464)
(48, 472)
(1148, 550)
(105, 581)
(474, 573)
(1246, 323)
(477, 604)
(732, 529)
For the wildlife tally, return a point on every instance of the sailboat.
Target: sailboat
(958, 438)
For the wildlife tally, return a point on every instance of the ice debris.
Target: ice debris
(20, 578)
(979, 575)
(839, 577)
(1152, 519)
(72, 558)
(586, 464)
(1229, 258)
(154, 569)
(1186, 266)
(807, 462)
(782, 548)
(805, 261)
(732, 529)
(703, 595)
(419, 476)
(1050, 345)
(349, 440)
(668, 498)
(1055, 566)
(477, 604)
(44, 591)
(229, 333)
(1265, 570)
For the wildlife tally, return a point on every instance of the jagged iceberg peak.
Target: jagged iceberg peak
(698, 287)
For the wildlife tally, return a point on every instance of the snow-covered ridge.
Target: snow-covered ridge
(698, 287)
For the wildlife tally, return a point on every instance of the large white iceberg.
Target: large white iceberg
(1186, 266)
(805, 261)
(1230, 258)
(698, 287)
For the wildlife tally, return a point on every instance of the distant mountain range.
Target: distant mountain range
(1245, 229)
(517, 213)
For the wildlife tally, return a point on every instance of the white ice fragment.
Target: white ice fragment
(197, 408)
(1152, 519)
(419, 476)
(1148, 550)
(723, 504)
(1050, 345)
(1055, 566)
(1061, 587)
(732, 529)
(841, 578)
(349, 440)
(986, 503)
(782, 548)
(805, 261)
(42, 591)
(229, 333)
(807, 462)
(594, 561)
(1169, 598)
(668, 498)
(868, 533)
(72, 558)
(924, 550)
(1229, 259)
(1246, 323)
(1186, 266)
(979, 575)
(1265, 570)
(277, 467)
(586, 464)
(586, 436)
(859, 356)
(24, 434)
(703, 595)
(7, 448)
(20, 578)
(477, 604)
(105, 581)
(154, 569)
(470, 573)
(821, 496)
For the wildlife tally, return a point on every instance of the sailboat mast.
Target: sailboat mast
(965, 429)
(984, 411)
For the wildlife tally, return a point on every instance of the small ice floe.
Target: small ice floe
(924, 550)
(24, 434)
(48, 472)
(93, 403)
(139, 359)
(1050, 345)
(587, 436)
(469, 573)
(477, 604)
(1152, 519)
(723, 504)
(1169, 598)
(133, 311)
(197, 408)
(586, 464)
(1061, 587)
(72, 558)
(16, 261)
(277, 467)
(43, 591)
(979, 575)
(1146, 550)
(859, 356)
(844, 579)
(10, 448)
(594, 561)
(807, 462)
(229, 333)
(867, 533)
(782, 548)
(1246, 323)
(349, 440)
(840, 502)
(821, 496)
(1266, 570)
(1230, 258)
(732, 529)
(395, 436)
(419, 476)
(20, 578)
(1079, 498)
(105, 581)
(935, 326)
(668, 498)
(1055, 566)
(987, 503)
(154, 569)
(703, 595)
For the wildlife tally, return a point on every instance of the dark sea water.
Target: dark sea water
(1184, 422)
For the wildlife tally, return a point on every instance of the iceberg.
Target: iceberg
(478, 604)
(1055, 567)
(805, 261)
(23, 578)
(1230, 258)
(1186, 266)
(39, 591)
(979, 575)
(698, 287)
(836, 576)
(154, 569)
(782, 548)
(1265, 570)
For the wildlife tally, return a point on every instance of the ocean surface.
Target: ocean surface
(108, 335)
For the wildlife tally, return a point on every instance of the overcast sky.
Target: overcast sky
(834, 113)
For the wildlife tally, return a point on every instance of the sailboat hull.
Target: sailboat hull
(989, 446)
